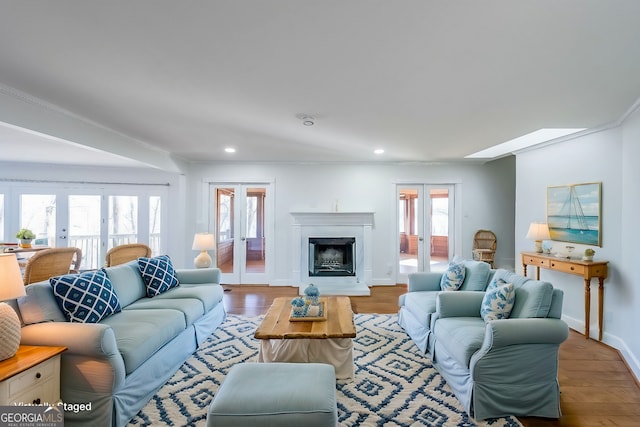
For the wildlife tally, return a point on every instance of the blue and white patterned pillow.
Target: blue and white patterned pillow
(498, 301)
(453, 278)
(158, 274)
(86, 297)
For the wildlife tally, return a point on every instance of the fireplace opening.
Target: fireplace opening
(332, 256)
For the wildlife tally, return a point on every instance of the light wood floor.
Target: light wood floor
(597, 388)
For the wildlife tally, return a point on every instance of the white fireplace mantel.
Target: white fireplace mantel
(333, 224)
(333, 218)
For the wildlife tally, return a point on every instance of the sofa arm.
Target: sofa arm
(192, 276)
(517, 367)
(93, 366)
(506, 332)
(424, 281)
(513, 348)
(459, 304)
(87, 339)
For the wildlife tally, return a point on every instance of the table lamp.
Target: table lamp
(11, 287)
(538, 232)
(203, 242)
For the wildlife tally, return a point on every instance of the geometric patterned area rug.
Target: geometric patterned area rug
(394, 384)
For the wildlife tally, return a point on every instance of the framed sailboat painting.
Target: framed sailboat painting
(574, 213)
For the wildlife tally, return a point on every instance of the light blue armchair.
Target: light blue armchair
(502, 367)
(498, 367)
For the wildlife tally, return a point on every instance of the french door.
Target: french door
(242, 220)
(425, 228)
(91, 218)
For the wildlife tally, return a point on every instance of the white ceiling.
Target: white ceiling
(426, 80)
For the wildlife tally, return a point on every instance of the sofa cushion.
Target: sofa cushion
(498, 301)
(510, 277)
(190, 307)
(140, 333)
(198, 276)
(39, 305)
(476, 276)
(127, 282)
(533, 299)
(422, 305)
(461, 336)
(86, 297)
(209, 295)
(452, 278)
(158, 274)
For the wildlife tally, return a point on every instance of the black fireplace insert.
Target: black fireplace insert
(332, 256)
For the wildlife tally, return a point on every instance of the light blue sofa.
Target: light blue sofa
(118, 364)
(495, 368)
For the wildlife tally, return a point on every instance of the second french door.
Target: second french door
(425, 228)
(242, 223)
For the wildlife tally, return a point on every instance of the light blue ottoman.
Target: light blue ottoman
(276, 394)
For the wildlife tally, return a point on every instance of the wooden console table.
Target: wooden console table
(585, 269)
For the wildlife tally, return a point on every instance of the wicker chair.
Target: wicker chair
(50, 263)
(484, 246)
(125, 253)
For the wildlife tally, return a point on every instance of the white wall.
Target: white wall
(609, 156)
(487, 200)
(629, 318)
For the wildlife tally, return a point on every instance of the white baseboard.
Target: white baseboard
(283, 282)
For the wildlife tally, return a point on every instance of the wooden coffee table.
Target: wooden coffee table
(324, 341)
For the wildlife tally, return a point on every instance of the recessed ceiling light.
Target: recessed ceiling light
(306, 119)
(524, 141)
(230, 150)
(378, 151)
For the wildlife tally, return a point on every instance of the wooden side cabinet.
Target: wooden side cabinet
(586, 269)
(32, 376)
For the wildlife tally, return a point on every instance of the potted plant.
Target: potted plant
(26, 236)
(588, 254)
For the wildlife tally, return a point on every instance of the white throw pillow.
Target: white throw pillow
(498, 301)
(453, 278)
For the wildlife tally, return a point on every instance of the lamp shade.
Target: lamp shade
(538, 231)
(11, 284)
(203, 242)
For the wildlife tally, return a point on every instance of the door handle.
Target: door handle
(421, 239)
